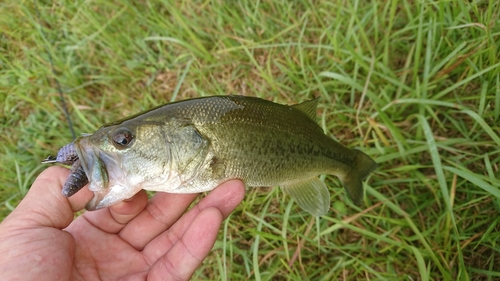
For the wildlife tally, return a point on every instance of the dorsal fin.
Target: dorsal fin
(308, 107)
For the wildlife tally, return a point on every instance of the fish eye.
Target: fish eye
(122, 138)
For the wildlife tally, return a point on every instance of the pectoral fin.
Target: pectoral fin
(312, 195)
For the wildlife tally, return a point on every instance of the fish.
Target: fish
(194, 145)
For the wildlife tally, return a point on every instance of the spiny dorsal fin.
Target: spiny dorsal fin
(308, 107)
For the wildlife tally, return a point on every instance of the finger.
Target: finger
(113, 219)
(165, 209)
(45, 205)
(80, 199)
(225, 198)
(189, 252)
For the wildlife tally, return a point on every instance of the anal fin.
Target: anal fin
(312, 195)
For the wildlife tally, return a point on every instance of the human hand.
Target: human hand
(133, 240)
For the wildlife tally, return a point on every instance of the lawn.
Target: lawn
(414, 84)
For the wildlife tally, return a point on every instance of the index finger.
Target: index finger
(224, 198)
(164, 210)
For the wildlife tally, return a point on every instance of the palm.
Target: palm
(106, 256)
(131, 240)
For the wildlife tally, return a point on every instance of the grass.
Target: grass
(414, 84)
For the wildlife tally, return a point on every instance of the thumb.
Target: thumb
(44, 204)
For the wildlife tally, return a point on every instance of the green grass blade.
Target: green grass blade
(473, 178)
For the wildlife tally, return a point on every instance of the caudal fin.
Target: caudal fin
(352, 181)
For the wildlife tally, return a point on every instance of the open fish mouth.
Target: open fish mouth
(94, 164)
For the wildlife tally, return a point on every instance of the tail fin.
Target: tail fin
(352, 181)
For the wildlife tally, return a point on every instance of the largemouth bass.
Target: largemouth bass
(194, 145)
